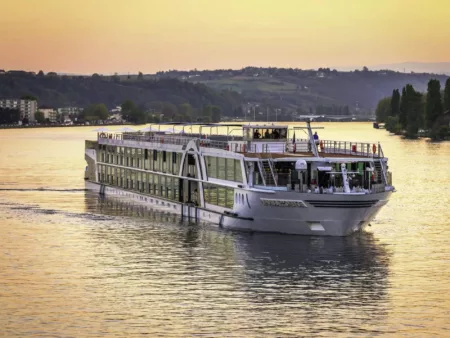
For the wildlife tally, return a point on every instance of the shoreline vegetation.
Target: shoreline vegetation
(413, 114)
(162, 123)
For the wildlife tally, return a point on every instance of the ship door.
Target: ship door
(190, 187)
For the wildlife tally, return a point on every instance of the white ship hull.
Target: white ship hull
(279, 212)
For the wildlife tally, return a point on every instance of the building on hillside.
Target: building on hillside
(49, 113)
(115, 118)
(118, 109)
(66, 111)
(27, 108)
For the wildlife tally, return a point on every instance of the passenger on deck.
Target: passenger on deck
(256, 134)
(267, 134)
(316, 138)
(276, 134)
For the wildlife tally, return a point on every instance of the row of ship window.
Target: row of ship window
(163, 186)
(169, 162)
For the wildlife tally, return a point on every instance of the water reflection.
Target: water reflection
(322, 281)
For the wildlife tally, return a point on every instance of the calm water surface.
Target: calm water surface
(74, 265)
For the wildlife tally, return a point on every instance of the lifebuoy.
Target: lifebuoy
(227, 148)
(321, 145)
(374, 148)
(354, 148)
(102, 135)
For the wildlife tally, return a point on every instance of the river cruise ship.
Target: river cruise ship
(244, 177)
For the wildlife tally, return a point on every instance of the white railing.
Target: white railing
(350, 148)
(260, 146)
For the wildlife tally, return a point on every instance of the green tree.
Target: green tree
(127, 107)
(8, 116)
(169, 110)
(179, 118)
(206, 114)
(402, 115)
(414, 109)
(447, 95)
(140, 76)
(95, 112)
(216, 114)
(138, 116)
(39, 117)
(156, 106)
(29, 97)
(395, 103)
(433, 108)
(393, 125)
(185, 110)
(101, 111)
(383, 109)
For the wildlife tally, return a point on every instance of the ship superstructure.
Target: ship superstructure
(247, 177)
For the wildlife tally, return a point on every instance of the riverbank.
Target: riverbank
(162, 123)
(62, 125)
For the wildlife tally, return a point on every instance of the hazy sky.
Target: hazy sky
(106, 36)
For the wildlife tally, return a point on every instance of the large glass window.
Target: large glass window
(224, 168)
(176, 193)
(218, 195)
(156, 185)
(169, 185)
(211, 166)
(150, 184)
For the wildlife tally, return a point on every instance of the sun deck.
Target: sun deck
(260, 148)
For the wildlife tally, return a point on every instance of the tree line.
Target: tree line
(169, 112)
(409, 112)
(155, 113)
(9, 116)
(81, 91)
(333, 110)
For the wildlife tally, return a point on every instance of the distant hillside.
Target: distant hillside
(308, 88)
(291, 89)
(417, 67)
(60, 91)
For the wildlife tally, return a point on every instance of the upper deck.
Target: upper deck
(256, 141)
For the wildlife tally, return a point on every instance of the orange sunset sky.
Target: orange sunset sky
(107, 36)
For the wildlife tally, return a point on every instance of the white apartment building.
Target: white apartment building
(27, 108)
(49, 113)
(69, 111)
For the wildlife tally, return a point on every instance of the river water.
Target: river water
(74, 265)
